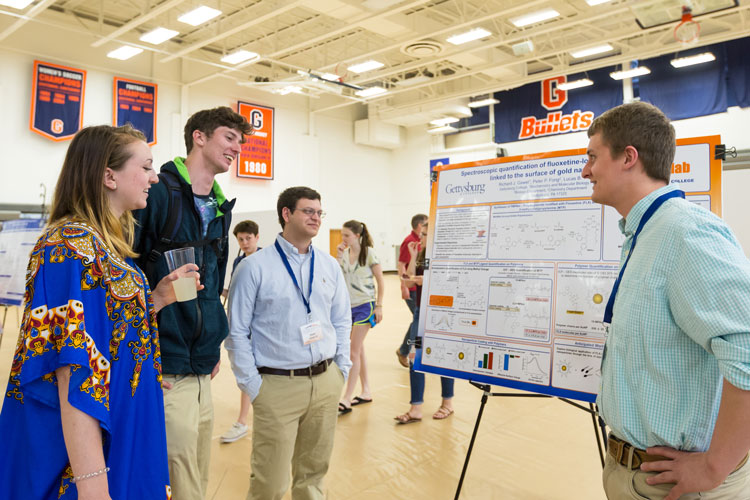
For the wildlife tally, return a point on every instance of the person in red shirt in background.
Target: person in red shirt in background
(418, 223)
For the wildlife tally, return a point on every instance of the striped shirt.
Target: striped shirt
(681, 325)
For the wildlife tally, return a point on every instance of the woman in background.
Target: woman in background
(414, 271)
(361, 270)
(83, 413)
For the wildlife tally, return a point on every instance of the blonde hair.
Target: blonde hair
(80, 194)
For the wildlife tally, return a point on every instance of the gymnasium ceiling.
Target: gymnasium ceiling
(425, 76)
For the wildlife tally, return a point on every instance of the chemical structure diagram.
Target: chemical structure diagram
(462, 286)
(592, 304)
(563, 234)
(519, 305)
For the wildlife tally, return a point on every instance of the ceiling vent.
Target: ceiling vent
(422, 48)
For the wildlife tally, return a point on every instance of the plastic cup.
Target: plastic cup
(184, 286)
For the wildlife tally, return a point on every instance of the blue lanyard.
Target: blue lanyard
(294, 279)
(646, 216)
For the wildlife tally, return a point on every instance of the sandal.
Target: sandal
(442, 413)
(360, 401)
(343, 409)
(406, 418)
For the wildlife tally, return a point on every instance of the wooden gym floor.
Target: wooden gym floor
(526, 448)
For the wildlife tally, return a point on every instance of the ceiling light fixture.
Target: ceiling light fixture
(599, 49)
(535, 17)
(468, 36)
(199, 15)
(483, 101)
(366, 66)
(330, 77)
(575, 84)
(441, 130)
(445, 121)
(691, 60)
(239, 56)
(371, 91)
(124, 52)
(289, 89)
(159, 35)
(630, 73)
(596, 2)
(16, 4)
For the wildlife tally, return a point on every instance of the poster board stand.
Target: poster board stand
(519, 264)
(599, 426)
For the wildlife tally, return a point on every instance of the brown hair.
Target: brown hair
(644, 127)
(289, 198)
(80, 193)
(209, 120)
(246, 226)
(365, 240)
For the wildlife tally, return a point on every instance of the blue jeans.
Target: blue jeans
(411, 302)
(416, 380)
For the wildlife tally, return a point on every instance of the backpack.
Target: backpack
(165, 239)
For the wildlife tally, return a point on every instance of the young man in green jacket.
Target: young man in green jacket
(188, 209)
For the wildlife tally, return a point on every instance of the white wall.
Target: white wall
(380, 187)
(313, 150)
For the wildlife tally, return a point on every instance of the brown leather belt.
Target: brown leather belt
(316, 369)
(620, 450)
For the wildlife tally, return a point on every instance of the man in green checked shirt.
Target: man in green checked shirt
(676, 366)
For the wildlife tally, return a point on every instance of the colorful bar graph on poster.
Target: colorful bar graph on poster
(505, 362)
(489, 364)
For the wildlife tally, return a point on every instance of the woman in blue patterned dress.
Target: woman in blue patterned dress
(83, 414)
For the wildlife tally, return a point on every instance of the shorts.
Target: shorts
(364, 314)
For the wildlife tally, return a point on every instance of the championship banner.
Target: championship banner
(135, 103)
(520, 265)
(57, 100)
(256, 157)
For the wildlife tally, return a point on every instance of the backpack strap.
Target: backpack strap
(164, 239)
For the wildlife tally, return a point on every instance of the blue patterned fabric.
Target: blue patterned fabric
(681, 325)
(86, 308)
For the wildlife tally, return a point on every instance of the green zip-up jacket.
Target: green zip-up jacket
(190, 332)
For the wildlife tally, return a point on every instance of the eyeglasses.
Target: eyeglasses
(311, 211)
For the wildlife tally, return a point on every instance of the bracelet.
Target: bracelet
(89, 475)
(378, 305)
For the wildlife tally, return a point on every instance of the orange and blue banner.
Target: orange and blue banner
(57, 100)
(135, 103)
(256, 157)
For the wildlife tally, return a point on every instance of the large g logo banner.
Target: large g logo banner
(256, 119)
(552, 96)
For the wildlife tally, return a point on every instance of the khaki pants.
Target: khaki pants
(189, 416)
(294, 421)
(623, 484)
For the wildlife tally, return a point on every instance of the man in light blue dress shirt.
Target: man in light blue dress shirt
(290, 318)
(676, 367)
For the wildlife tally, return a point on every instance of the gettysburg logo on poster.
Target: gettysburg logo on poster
(553, 98)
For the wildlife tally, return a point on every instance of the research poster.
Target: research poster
(17, 239)
(521, 263)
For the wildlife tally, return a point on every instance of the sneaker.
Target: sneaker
(237, 431)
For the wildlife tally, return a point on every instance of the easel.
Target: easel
(601, 440)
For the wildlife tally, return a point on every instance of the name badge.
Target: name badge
(311, 332)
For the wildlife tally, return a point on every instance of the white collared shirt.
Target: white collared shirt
(263, 300)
